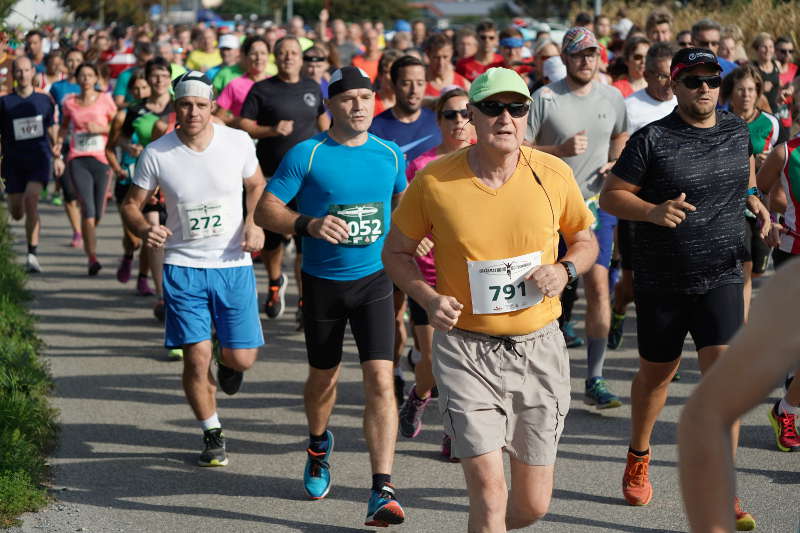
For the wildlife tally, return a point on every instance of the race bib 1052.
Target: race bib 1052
(364, 222)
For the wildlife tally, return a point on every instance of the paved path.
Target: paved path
(128, 440)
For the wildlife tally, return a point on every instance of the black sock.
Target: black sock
(142, 276)
(32, 249)
(276, 282)
(638, 453)
(379, 480)
(318, 443)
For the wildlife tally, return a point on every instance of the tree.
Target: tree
(113, 10)
(5, 8)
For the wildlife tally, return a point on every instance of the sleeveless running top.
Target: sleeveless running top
(790, 179)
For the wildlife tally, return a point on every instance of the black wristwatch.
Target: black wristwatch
(572, 274)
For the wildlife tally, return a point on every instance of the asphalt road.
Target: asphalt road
(128, 440)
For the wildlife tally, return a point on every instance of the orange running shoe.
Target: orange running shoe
(636, 487)
(744, 520)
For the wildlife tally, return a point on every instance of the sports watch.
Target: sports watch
(572, 273)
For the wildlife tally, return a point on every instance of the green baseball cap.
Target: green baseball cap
(497, 80)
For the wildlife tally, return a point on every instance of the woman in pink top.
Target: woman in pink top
(457, 133)
(232, 98)
(87, 117)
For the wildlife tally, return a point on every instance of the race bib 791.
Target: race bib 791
(499, 286)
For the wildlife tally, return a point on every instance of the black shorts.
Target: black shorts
(756, 250)
(19, 171)
(779, 257)
(418, 314)
(663, 319)
(273, 240)
(328, 305)
(121, 190)
(625, 243)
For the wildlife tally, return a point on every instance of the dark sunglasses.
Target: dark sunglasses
(637, 57)
(488, 37)
(495, 109)
(684, 44)
(785, 50)
(694, 82)
(314, 59)
(451, 114)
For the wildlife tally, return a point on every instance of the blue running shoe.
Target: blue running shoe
(570, 337)
(597, 394)
(317, 474)
(383, 510)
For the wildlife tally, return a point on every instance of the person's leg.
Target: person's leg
(198, 382)
(747, 269)
(16, 205)
(31, 202)
(102, 183)
(531, 491)
(648, 397)
(319, 397)
(423, 371)
(706, 357)
(488, 495)
(155, 258)
(83, 183)
(71, 207)
(380, 414)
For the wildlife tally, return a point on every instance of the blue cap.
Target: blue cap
(402, 25)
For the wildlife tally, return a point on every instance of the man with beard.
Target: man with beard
(345, 183)
(584, 123)
(684, 181)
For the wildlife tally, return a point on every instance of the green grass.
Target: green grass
(27, 422)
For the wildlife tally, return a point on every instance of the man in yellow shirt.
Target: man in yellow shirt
(206, 55)
(494, 212)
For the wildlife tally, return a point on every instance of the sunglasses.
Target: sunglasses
(707, 44)
(684, 44)
(637, 57)
(785, 50)
(694, 82)
(488, 37)
(314, 59)
(451, 114)
(495, 109)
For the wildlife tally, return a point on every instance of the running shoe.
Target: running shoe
(143, 287)
(317, 472)
(411, 414)
(214, 452)
(744, 520)
(124, 270)
(94, 268)
(785, 427)
(615, 332)
(230, 380)
(32, 265)
(56, 200)
(383, 509)
(399, 389)
(570, 337)
(447, 449)
(77, 240)
(159, 311)
(636, 487)
(275, 304)
(298, 316)
(175, 354)
(597, 394)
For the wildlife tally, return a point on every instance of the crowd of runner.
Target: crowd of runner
(460, 182)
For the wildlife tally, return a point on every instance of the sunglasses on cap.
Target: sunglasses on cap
(314, 59)
(451, 114)
(694, 82)
(492, 108)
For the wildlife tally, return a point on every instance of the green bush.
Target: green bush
(27, 422)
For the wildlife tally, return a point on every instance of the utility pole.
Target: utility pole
(598, 7)
(289, 9)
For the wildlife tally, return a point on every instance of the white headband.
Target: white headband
(197, 86)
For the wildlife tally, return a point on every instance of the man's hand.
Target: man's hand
(329, 228)
(424, 247)
(156, 236)
(773, 240)
(284, 128)
(253, 238)
(575, 145)
(550, 279)
(135, 149)
(605, 169)
(670, 213)
(762, 214)
(443, 312)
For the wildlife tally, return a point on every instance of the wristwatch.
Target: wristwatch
(572, 273)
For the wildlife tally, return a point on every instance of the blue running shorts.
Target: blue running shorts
(196, 298)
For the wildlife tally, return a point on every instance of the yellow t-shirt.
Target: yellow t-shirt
(470, 221)
(202, 61)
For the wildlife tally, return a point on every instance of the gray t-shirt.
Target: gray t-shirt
(346, 52)
(558, 114)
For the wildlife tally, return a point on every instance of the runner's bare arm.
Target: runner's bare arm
(323, 122)
(258, 132)
(617, 144)
(755, 205)
(770, 172)
(113, 141)
(618, 197)
(398, 260)
(582, 250)
(254, 189)
(133, 218)
(273, 214)
(706, 462)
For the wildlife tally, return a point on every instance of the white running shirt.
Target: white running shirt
(203, 194)
(644, 109)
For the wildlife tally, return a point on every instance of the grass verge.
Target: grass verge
(27, 422)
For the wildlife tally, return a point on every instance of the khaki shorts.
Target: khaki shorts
(503, 392)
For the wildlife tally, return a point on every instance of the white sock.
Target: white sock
(398, 371)
(211, 423)
(416, 356)
(786, 408)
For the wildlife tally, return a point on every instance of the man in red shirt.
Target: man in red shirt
(472, 67)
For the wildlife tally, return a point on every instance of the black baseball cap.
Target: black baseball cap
(347, 78)
(691, 57)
